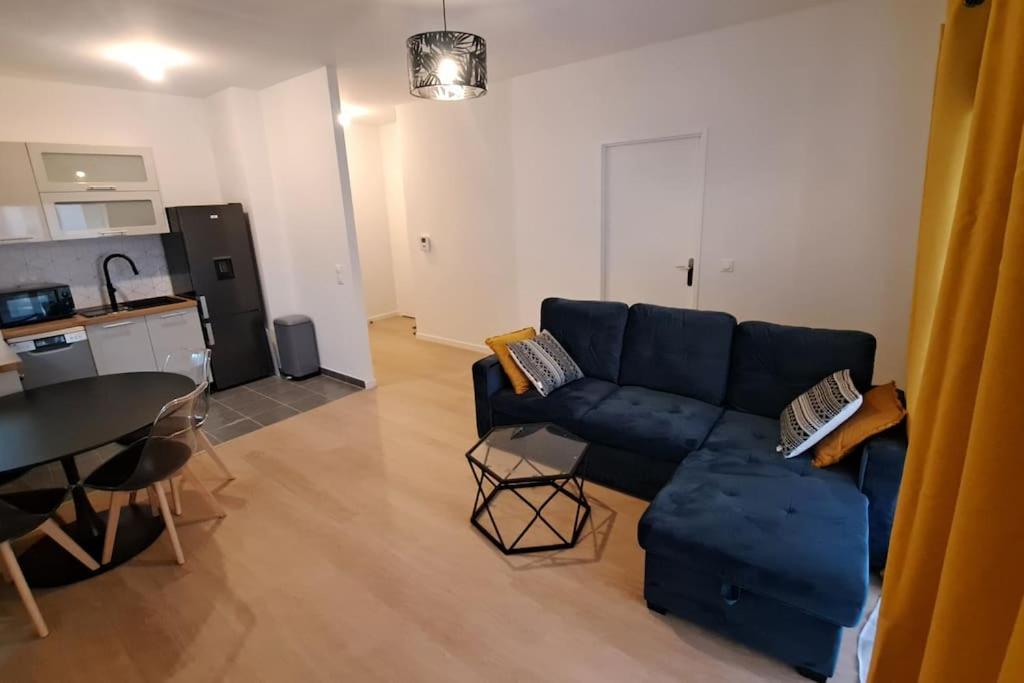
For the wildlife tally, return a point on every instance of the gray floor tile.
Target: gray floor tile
(235, 429)
(251, 403)
(310, 402)
(273, 415)
(220, 415)
(329, 388)
(285, 392)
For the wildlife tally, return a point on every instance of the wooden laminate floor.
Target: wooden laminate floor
(347, 556)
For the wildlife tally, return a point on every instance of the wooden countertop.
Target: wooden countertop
(8, 359)
(78, 320)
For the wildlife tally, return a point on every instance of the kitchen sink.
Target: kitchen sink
(136, 305)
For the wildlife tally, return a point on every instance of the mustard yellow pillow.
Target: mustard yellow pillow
(500, 344)
(881, 409)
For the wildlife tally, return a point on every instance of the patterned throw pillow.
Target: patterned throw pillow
(817, 412)
(544, 362)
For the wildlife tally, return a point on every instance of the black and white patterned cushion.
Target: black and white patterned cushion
(817, 412)
(544, 362)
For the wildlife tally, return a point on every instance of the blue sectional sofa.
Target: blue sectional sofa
(681, 408)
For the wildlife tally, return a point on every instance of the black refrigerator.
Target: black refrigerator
(210, 257)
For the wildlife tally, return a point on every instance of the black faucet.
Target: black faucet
(106, 274)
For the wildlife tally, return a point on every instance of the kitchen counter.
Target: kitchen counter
(8, 358)
(78, 320)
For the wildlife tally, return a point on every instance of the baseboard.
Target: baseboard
(465, 346)
(348, 379)
(384, 316)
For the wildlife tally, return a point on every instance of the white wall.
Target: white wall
(370, 205)
(401, 242)
(310, 179)
(817, 125)
(175, 127)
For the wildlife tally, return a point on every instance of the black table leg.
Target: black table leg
(45, 564)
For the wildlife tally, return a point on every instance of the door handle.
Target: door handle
(689, 267)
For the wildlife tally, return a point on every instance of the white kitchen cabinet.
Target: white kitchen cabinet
(174, 331)
(122, 346)
(21, 215)
(84, 168)
(77, 215)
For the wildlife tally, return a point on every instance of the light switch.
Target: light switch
(424, 242)
(728, 265)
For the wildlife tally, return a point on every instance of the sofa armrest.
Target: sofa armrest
(881, 471)
(488, 379)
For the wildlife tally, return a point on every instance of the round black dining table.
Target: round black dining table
(57, 422)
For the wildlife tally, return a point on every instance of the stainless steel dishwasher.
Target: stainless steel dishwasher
(52, 357)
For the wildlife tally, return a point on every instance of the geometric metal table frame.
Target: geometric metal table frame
(558, 482)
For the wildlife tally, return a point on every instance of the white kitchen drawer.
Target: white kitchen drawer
(77, 215)
(122, 346)
(174, 331)
(85, 168)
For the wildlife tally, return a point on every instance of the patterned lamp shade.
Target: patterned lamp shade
(447, 65)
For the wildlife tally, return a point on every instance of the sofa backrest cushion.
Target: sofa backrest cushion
(591, 331)
(678, 350)
(773, 364)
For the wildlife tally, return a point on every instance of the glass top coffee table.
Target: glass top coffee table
(522, 473)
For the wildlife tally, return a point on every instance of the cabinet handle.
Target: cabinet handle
(16, 239)
(202, 305)
(178, 314)
(113, 232)
(101, 188)
(209, 335)
(120, 324)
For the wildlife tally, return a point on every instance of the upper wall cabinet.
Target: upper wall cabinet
(77, 215)
(21, 216)
(81, 168)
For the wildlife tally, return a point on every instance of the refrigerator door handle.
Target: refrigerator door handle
(209, 335)
(203, 308)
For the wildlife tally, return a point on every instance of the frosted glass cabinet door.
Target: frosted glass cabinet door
(21, 216)
(81, 168)
(76, 215)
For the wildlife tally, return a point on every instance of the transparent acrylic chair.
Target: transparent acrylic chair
(158, 457)
(196, 366)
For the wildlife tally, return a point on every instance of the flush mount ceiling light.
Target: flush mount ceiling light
(150, 60)
(447, 65)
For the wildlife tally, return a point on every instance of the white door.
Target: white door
(653, 201)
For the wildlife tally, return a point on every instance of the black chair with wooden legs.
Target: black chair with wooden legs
(22, 513)
(164, 453)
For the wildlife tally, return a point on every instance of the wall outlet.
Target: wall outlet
(339, 274)
(424, 242)
(728, 265)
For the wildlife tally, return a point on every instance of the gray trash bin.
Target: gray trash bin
(296, 346)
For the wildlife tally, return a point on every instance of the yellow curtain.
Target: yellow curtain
(952, 605)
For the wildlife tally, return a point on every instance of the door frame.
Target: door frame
(702, 151)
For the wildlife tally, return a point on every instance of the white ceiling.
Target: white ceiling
(255, 43)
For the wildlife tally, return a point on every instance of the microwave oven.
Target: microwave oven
(35, 303)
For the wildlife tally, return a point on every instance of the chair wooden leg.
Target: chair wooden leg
(11, 562)
(117, 499)
(191, 477)
(154, 504)
(132, 497)
(206, 445)
(51, 529)
(172, 532)
(176, 494)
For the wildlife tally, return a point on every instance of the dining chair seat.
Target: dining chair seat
(129, 471)
(23, 511)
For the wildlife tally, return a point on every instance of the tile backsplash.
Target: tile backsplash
(79, 263)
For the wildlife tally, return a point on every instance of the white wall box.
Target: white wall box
(83, 168)
(174, 331)
(77, 215)
(21, 215)
(122, 346)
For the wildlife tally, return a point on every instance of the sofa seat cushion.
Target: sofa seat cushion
(652, 423)
(743, 439)
(565, 405)
(798, 537)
